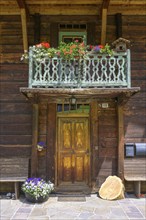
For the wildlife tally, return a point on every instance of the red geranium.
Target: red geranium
(100, 46)
(43, 44)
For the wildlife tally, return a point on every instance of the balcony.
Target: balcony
(94, 71)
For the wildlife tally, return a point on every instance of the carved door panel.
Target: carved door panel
(73, 150)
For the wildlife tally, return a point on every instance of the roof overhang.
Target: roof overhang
(122, 95)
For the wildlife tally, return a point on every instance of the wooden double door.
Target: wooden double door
(73, 150)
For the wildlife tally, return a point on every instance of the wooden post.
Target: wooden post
(94, 139)
(103, 26)
(16, 185)
(34, 156)
(51, 142)
(105, 5)
(24, 29)
(120, 142)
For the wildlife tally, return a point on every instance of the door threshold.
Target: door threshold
(73, 189)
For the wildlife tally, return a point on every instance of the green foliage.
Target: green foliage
(107, 49)
(66, 51)
(71, 50)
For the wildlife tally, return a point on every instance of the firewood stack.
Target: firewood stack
(112, 188)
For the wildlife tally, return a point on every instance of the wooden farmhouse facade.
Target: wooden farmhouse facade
(84, 126)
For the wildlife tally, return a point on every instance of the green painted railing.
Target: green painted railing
(95, 70)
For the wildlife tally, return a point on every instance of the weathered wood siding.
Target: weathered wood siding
(108, 141)
(16, 111)
(15, 120)
(135, 109)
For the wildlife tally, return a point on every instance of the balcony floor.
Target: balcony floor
(81, 93)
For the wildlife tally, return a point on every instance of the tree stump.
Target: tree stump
(112, 188)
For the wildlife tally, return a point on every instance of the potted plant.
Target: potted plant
(37, 190)
(66, 51)
(70, 51)
(100, 49)
(40, 52)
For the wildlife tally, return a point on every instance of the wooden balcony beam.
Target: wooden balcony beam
(105, 4)
(24, 14)
(22, 4)
(120, 113)
(104, 9)
(24, 29)
(85, 93)
(34, 156)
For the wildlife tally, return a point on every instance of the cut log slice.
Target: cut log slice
(112, 188)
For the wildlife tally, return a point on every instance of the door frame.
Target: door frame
(72, 115)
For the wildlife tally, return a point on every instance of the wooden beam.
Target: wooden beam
(64, 10)
(120, 142)
(21, 3)
(62, 2)
(73, 10)
(104, 9)
(105, 4)
(34, 156)
(24, 29)
(84, 92)
(51, 155)
(103, 26)
(94, 140)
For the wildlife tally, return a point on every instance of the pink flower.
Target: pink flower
(39, 45)
(82, 44)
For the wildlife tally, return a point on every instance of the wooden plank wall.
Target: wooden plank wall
(135, 109)
(107, 141)
(16, 118)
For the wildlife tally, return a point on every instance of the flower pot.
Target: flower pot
(32, 199)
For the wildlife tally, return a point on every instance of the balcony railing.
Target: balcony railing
(97, 70)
